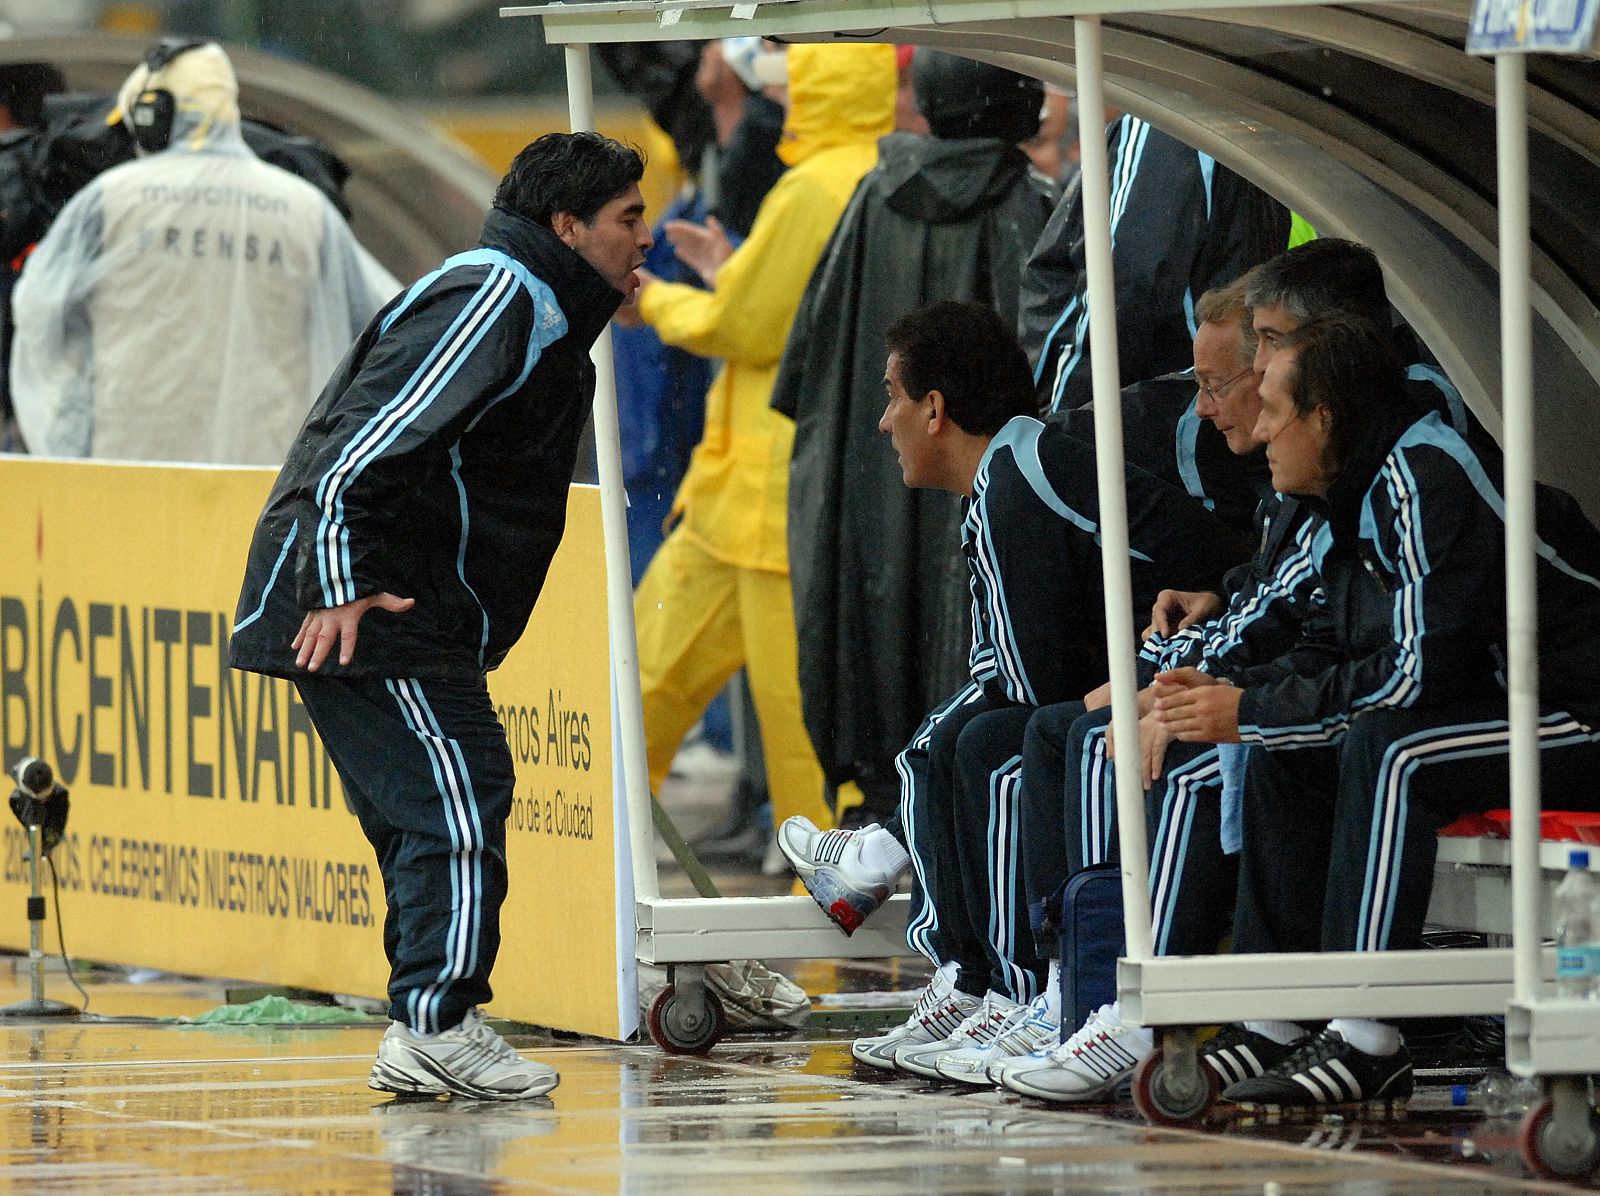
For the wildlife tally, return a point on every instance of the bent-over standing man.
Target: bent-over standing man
(420, 507)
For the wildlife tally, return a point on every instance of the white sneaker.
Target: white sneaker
(469, 1060)
(1088, 1066)
(1039, 1030)
(829, 865)
(935, 1016)
(971, 1064)
(979, 1029)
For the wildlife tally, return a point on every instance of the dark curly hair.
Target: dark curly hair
(568, 172)
(969, 355)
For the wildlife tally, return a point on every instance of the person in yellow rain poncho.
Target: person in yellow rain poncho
(717, 596)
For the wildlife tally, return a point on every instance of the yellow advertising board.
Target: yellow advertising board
(208, 831)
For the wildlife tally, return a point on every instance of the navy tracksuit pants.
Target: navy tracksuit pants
(427, 770)
(1070, 812)
(1339, 842)
(998, 947)
(926, 823)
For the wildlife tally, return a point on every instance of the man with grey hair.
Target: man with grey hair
(1329, 277)
(1068, 791)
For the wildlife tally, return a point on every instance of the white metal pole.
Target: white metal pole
(1109, 469)
(1522, 624)
(619, 577)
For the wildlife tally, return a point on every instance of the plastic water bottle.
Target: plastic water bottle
(1498, 1094)
(1577, 902)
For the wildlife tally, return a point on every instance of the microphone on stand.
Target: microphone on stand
(35, 778)
(41, 805)
(39, 801)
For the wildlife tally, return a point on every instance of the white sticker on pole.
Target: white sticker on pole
(743, 12)
(669, 16)
(1532, 26)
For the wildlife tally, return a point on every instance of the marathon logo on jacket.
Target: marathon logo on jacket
(214, 197)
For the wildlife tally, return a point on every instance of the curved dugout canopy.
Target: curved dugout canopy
(416, 198)
(1367, 119)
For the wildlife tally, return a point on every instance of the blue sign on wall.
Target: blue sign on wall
(1532, 26)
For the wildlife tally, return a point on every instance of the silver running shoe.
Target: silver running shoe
(470, 1060)
(829, 865)
(1018, 1035)
(935, 1016)
(1089, 1066)
(1039, 1031)
(991, 1015)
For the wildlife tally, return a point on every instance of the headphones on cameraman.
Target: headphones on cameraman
(153, 110)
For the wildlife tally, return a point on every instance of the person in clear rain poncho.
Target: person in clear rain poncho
(187, 305)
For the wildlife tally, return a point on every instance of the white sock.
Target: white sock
(1368, 1037)
(947, 971)
(1282, 1033)
(1141, 1034)
(1052, 991)
(882, 852)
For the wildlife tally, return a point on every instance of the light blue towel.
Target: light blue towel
(1231, 757)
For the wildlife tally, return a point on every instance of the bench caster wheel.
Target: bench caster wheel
(1171, 1086)
(1560, 1136)
(687, 1022)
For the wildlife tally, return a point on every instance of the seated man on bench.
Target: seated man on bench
(1389, 718)
(963, 417)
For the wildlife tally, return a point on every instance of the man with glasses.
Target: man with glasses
(1190, 794)
(1069, 800)
(961, 416)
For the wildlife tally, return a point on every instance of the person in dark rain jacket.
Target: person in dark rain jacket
(951, 216)
(420, 507)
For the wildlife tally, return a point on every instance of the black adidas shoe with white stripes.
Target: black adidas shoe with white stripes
(1236, 1053)
(1326, 1070)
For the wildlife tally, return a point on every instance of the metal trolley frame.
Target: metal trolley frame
(1344, 190)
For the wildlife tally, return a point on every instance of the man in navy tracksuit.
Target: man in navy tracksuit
(421, 505)
(1064, 753)
(959, 413)
(1388, 720)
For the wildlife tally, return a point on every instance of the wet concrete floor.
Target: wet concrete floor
(130, 1105)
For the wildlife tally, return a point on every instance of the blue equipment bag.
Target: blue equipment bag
(1092, 939)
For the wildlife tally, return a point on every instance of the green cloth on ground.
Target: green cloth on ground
(277, 1010)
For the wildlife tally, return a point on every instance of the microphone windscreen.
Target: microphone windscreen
(35, 776)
